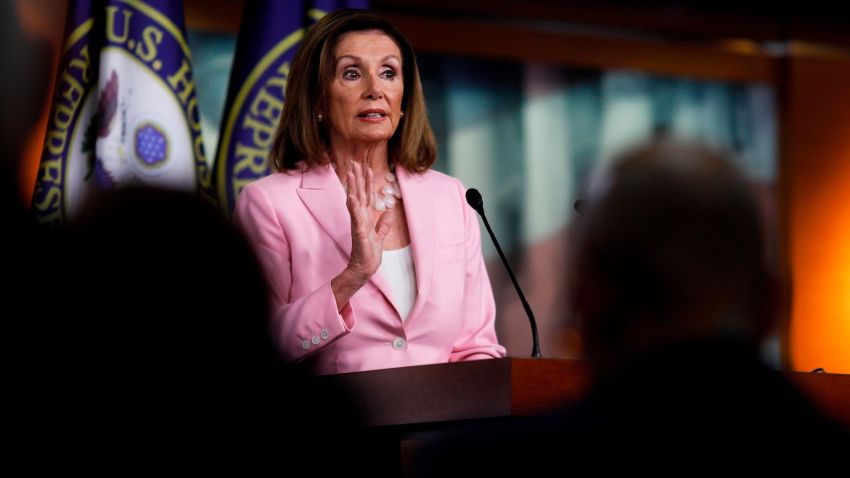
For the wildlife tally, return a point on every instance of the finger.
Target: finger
(354, 174)
(370, 187)
(384, 225)
(352, 193)
(361, 184)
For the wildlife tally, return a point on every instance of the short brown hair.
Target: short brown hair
(301, 136)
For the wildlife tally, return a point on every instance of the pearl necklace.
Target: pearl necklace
(389, 195)
(386, 197)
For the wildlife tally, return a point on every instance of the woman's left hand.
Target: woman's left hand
(367, 234)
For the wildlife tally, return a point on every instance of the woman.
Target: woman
(373, 259)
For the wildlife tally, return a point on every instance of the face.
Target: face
(366, 90)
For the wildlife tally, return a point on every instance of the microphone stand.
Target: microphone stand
(473, 197)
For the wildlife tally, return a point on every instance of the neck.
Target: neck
(372, 155)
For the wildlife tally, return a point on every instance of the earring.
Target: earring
(401, 115)
(321, 118)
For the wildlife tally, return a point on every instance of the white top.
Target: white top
(397, 269)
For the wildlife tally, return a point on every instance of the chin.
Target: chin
(374, 137)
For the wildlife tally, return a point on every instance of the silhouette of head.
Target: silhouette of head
(153, 336)
(163, 267)
(668, 247)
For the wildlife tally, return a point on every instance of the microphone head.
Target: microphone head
(579, 205)
(474, 199)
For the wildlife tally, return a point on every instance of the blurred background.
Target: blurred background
(526, 98)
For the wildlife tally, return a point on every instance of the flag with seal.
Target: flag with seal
(124, 109)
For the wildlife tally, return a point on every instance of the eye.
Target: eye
(350, 74)
(389, 74)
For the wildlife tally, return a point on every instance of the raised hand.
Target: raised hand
(368, 231)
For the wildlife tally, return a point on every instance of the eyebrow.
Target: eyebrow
(358, 59)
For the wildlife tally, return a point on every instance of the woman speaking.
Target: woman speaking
(373, 259)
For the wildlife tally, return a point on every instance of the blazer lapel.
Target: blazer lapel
(323, 195)
(421, 223)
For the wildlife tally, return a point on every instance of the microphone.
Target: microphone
(579, 205)
(474, 199)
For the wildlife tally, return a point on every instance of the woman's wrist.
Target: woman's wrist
(346, 284)
(353, 276)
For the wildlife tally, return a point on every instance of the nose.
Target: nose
(372, 90)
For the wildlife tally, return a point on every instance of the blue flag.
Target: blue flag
(124, 110)
(268, 38)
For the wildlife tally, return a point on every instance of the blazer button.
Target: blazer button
(315, 340)
(325, 334)
(399, 343)
(305, 344)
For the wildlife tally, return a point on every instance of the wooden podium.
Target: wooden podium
(464, 390)
(405, 406)
(512, 387)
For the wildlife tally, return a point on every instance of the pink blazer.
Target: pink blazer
(301, 231)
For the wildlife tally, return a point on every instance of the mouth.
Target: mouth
(372, 114)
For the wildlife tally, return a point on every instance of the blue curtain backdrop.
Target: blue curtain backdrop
(527, 135)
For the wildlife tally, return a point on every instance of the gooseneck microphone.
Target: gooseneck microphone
(474, 199)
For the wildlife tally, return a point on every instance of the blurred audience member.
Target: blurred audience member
(167, 308)
(669, 285)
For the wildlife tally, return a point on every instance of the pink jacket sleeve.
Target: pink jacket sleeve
(302, 325)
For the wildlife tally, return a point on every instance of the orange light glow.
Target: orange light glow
(818, 160)
(42, 19)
